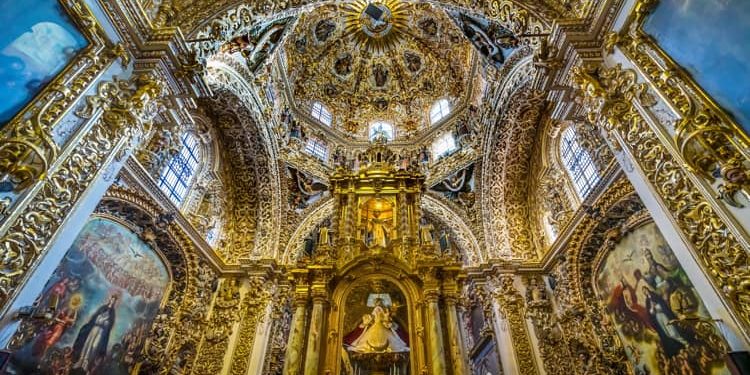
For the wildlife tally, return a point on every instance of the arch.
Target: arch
(253, 155)
(506, 165)
(217, 23)
(460, 231)
(230, 18)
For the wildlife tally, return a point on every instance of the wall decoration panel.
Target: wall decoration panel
(103, 296)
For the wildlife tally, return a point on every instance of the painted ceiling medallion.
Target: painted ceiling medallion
(378, 26)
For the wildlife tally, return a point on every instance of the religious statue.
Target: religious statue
(377, 333)
(380, 73)
(425, 232)
(323, 236)
(377, 230)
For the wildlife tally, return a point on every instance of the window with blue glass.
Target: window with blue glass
(578, 162)
(177, 176)
(381, 129)
(321, 113)
(317, 148)
(439, 111)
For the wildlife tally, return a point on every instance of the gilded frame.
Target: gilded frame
(706, 135)
(28, 148)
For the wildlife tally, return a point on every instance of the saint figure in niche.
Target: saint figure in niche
(378, 332)
(378, 231)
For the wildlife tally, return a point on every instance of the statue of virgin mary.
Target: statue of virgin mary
(378, 333)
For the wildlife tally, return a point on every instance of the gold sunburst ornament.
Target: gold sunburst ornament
(376, 25)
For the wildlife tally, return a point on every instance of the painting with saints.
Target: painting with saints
(375, 322)
(103, 297)
(663, 324)
(35, 46)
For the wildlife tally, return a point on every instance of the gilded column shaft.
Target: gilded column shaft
(296, 340)
(458, 354)
(315, 334)
(512, 307)
(437, 352)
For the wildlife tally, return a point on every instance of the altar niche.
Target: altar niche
(377, 222)
(375, 318)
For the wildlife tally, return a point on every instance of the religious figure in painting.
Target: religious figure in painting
(91, 344)
(102, 297)
(378, 332)
(655, 307)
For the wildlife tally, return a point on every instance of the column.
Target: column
(457, 349)
(316, 332)
(297, 329)
(435, 335)
(296, 337)
(452, 280)
(312, 356)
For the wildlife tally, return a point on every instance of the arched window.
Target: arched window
(381, 128)
(317, 148)
(443, 145)
(578, 162)
(212, 236)
(439, 110)
(177, 176)
(321, 113)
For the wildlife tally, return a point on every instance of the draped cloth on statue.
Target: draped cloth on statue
(378, 333)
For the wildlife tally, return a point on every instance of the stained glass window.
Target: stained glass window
(321, 113)
(178, 174)
(578, 162)
(439, 110)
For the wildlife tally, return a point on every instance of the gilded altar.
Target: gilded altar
(374, 292)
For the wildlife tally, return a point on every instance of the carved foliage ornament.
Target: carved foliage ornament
(709, 140)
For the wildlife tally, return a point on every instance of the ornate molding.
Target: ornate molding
(613, 99)
(121, 111)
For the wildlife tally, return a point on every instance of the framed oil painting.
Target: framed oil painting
(38, 41)
(715, 56)
(103, 297)
(652, 303)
